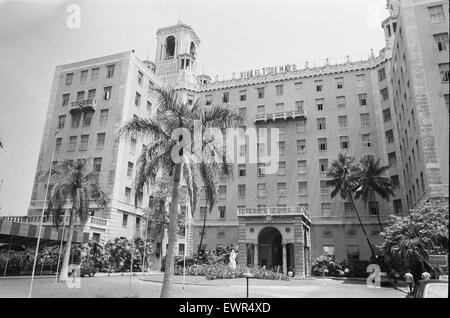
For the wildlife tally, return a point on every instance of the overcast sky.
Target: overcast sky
(235, 36)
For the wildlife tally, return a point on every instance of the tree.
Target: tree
(73, 183)
(371, 181)
(344, 179)
(169, 153)
(421, 233)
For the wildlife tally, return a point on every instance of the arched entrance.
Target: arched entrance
(270, 251)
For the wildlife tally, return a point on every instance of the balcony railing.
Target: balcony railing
(284, 115)
(49, 220)
(84, 105)
(273, 211)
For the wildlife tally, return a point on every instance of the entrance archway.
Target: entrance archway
(270, 251)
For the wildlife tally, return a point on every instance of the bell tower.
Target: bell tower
(176, 55)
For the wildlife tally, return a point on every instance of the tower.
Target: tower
(176, 55)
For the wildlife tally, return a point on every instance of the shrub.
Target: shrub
(221, 271)
(325, 265)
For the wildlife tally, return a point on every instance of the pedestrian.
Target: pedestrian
(409, 278)
(426, 275)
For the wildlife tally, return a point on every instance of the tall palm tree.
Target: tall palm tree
(371, 181)
(165, 154)
(343, 173)
(73, 183)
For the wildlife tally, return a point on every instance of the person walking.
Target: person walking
(426, 275)
(409, 278)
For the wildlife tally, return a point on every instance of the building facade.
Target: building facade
(393, 105)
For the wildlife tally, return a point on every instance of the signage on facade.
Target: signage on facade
(269, 70)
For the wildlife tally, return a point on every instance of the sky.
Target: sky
(236, 35)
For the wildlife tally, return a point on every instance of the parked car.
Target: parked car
(432, 288)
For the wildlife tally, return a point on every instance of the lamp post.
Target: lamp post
(60, 246)
(247, 276)
(42, 216)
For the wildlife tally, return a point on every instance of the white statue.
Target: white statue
(232, 262)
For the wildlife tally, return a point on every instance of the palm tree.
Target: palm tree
(343, 173)
(168, 156)
(71, 182)
(371, 181)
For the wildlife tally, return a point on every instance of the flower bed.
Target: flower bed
(220, 271)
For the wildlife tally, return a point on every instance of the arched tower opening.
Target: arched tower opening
(170, 46)
(192, 50)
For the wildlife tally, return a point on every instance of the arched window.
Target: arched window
(170, 46)
(192, 49)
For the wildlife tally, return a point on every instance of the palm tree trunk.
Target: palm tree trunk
(162, 205)
(379, 222)
(361, 224)
(166, 291)
(203, 233)
(63, 277)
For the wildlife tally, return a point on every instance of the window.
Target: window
(281, 130)
(301, 145)
(282, 147)
(392, 158)
(80, 96)
(91, 94)
(190, 99)
(302, 188)
(87, 118)
(243, 95)
(243, 150)
(140, 78)
(321, 124)
(299, 106)
(260, 91)
(132, 145)
(202, 212)
(241, 169)
(137, 100)
(107, 93)
(69, 79)
(343, 121)
(279, 107)
(362, 99)
(226, 97)
(339, 82)
(373, 208)
(387, 115)
(260, 170)
(360, 80)
(364, 119)
(130, 169)
(323, 165)
(125, 216)
(58, 144)
(241, 191)
(324, 188)
(279, 90)
(325, 209)
(446, 101)
(260, 109)
(436, 14)
(322, 144)
(208, 100)
(352, 253)
(440, 42)
(300, 126)
(180, 249)
(72, 143)
(350, 231)
(94, 74)
(384, 94)
(389, 136)
(319, 85)
(103, 116)
(76, 118)
(222, 212)
(344, 142)
(61, 121)
(84, 140)
(367, 143)
(444, 71)
(222, 191)
(395, 181)
(97, 165)
(281, 189)
(397, 206)
(110, 71)
(340, 102)
(100, 141)
(281, 168)
(261, 190)
(301, 166)
(65, 99)
(381, 74)
(83, 76)
(319, 103)
(348, 209)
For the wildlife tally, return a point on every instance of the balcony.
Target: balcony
(274, 211)
(49, 220)
(84, 105)
(285, 115)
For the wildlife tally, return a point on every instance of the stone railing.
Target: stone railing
(86, 104)
(280, 115)
(49, 220)
(273, 211)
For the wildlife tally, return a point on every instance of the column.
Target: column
(285, 265)
(255, 254)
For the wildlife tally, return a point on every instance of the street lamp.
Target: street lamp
(42, 216)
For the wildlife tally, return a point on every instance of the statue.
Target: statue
(232, 263)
